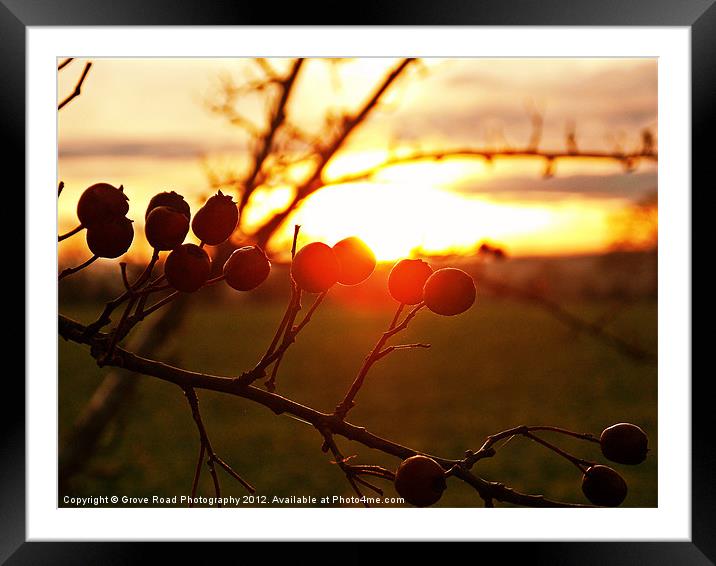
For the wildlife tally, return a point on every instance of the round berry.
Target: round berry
(100, 203)
(420, 481)
(166, 228)
(112, 238)
(247, 268)
(356, 261)
(172, 200)
(216, 220)
(449, 291)
(406, 280)
(624, 443)
(603, 486)
(315, 268)
(187, 268)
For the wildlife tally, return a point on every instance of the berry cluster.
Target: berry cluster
(448, 291)
(188, 266)
(421, 481)
(317, 267)
(102, 210)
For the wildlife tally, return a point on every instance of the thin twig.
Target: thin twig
(70, 233)
(489, 155)
(487, 450)
(212, 458)
(78, 87)
(197, 474)
(326, 153)
(376, 354)
(70, 270)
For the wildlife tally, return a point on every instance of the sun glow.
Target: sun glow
(398, 219)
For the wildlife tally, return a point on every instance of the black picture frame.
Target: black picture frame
(698, 15)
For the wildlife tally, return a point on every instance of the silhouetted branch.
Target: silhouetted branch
(489, 155)
(376, 354)
(265, 143)
(76, 332)
(70, 270)
(207, 449)
(65, 63)
(327, 151)
(78, 87)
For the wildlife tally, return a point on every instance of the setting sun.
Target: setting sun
(398, 219)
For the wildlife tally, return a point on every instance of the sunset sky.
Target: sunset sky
(145, 123)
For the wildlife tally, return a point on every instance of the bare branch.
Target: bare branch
(78, 87)
(376, 354)
(488, 155)
(278, 116)
(207, 448)
(313, 182)
(70, 270)
(71, 330)
(65, 63)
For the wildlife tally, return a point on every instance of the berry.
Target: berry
(315, 268)
(187, 268)
(172, 200)
(356, 261)
(247, 268)
(406, 280)
(101, 203)
(624, 443)
(166, 228)
(110, 239)
(449, 291)
(420, 481)
(603, 486)
(216, 220)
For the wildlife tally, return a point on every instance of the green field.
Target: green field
(501, 364)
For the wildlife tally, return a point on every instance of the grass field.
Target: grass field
(499, 365)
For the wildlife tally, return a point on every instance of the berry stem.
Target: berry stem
(581, 464)
(72, 232)
(398, 312)
(581, 435)
(376, 354)
(487, 450)
(215, 280)
(70, 270)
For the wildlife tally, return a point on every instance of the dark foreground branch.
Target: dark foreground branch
(488, 490)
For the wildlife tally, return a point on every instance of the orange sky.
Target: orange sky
(145, 124)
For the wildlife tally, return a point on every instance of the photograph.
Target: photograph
(357, 282)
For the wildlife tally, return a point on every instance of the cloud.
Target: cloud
(465, 102)
(158, 149)
(632, 186)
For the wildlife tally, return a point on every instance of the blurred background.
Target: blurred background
(537, 176)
